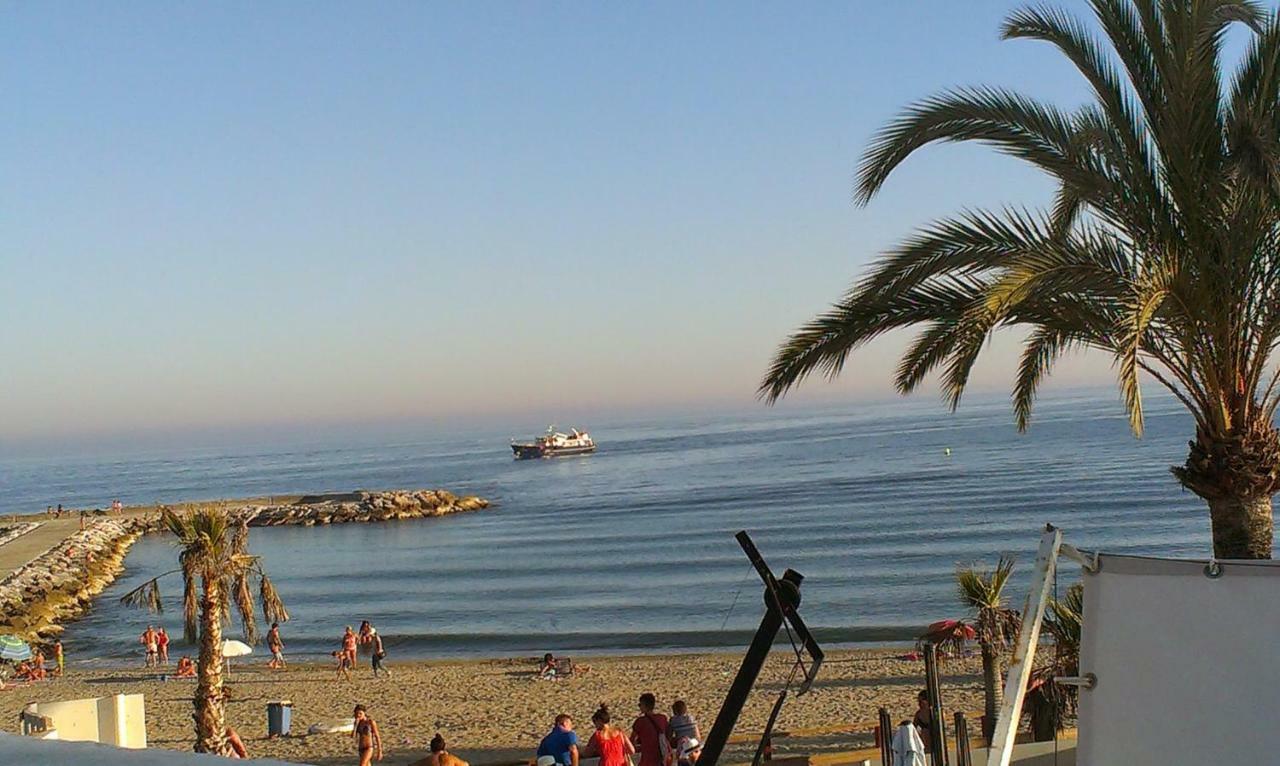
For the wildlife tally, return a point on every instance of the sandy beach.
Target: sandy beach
(495, 711)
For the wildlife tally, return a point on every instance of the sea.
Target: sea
(632, 549)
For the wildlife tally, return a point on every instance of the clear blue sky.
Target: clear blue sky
(287, 212)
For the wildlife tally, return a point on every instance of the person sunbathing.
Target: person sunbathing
(186, 668)
(27, 672)
(550, 668)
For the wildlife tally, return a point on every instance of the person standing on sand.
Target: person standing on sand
(148, 640)
(162, 646)
(349, 646)
(276, 646)
(57, 656)
(341, 659)
(608, 743)
(379, 654)
(365, 733)
(923, 720)
(561, 745)
(649, 733)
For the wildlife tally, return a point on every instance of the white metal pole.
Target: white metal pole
(1024, 653)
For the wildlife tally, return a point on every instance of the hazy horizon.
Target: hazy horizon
(240, 216)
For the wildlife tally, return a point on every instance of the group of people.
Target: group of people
(34, 669)
(659, 740)
(156, 643)
(367, 639)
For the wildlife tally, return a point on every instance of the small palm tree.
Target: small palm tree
(996, 627)
(1064, 620)
(1161, 249)
(217, 570)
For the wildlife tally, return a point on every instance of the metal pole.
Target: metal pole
(963, 756)
(1024, 652)
(886, 738)
(938, 731)
(752, 663)
(764, 750)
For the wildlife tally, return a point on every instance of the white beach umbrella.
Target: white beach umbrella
(232, 648)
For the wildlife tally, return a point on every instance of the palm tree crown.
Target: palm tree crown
(1161, 247)
(217, 570)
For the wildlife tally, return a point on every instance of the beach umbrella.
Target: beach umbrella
(14, 649)
(232, 648)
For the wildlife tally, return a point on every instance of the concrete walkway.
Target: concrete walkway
(17, 553)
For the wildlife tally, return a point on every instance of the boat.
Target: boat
(555, 444)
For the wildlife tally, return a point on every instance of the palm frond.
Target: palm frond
(145, 596)
(273, 608)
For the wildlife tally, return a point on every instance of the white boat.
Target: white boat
(554, 444)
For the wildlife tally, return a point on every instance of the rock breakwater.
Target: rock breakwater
(361, 507)
(60, 584)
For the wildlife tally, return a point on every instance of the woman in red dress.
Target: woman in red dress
(609, 743)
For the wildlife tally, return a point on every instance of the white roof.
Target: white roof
(15, 749)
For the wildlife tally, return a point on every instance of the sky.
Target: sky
(228, 214)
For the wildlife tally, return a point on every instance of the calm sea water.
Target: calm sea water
(632, 548)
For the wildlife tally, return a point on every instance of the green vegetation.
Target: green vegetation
(1161, 248)
(217, 570)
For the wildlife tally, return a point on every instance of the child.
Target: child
(340, 658)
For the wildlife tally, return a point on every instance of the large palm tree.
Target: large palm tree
(217, 571)
(1161, 247)
(981, 591)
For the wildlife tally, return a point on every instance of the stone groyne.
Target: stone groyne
(59, 585)
(361, 507)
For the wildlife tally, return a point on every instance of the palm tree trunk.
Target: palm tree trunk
(1236, 474)
(209, 718)
(993, 692)
(1241, 527)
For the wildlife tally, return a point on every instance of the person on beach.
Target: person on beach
(162, 646)
(440, 755)
(148, 640)
(923, 720)
(186, 668)
(549, 669)
(276, 646)
(349, 640)
(238, 750)
(649, 733)
(365, 733)
(379, 654)
(365, 635)
(683, 734)
(342, 664)
(58, 658)
(608, 743)
(560, 746)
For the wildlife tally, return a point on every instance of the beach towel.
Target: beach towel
(908, 749)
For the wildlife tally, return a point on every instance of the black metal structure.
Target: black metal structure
(781, 599)
(886, 737)
(964, 757)
(938, 733)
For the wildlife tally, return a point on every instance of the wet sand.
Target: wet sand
(495, 711)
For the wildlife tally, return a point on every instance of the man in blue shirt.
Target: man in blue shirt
(561, 744)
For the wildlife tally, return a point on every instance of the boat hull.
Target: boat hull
(531, 451)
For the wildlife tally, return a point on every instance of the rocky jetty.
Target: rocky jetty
(60, 584)
(361, 507)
